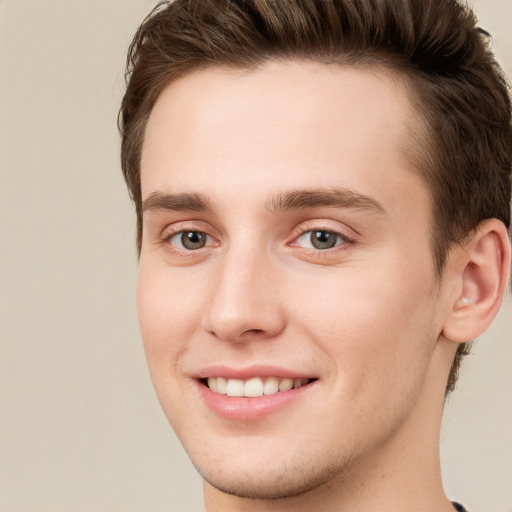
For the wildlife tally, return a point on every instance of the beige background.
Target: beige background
(80, 428)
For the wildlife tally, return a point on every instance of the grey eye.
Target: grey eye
(320, 239)
(324, 239)
(190, 240)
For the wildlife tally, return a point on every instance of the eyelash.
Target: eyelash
(340, 244)
(180, 231)
(343, 241)
(339, 239)
(190, 232)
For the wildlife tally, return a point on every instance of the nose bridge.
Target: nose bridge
(242, 302)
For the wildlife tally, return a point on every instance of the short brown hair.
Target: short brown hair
(460, 91)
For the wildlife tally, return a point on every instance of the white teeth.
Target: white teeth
(254, 387)
(286, 385)
(271, 386)
(235, 387)
(221, 385)
(212, 384)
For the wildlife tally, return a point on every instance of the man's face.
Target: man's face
(286, 241)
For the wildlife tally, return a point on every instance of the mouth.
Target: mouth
(253, 393)
(255, 386)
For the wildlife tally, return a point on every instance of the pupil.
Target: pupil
(323, 236)
(323, 239)
(193, 239)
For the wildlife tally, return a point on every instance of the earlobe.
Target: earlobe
(483, 270)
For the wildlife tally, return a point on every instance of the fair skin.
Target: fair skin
(286, 236)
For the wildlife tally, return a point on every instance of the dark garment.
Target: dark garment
(458, 507)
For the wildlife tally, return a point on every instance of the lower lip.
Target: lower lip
(248, 408)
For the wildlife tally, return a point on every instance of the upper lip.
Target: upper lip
(250, 372)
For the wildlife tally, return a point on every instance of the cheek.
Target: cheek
(166, 323)
(166, 315)
(369, 324)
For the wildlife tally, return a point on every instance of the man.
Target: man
(323, 196)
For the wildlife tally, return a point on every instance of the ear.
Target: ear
(481, 270)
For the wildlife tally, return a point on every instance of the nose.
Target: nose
(244, 302)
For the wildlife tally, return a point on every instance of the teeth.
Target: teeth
(235, 387)
(286, 385)
(212, 384)
(254, 387)
(221, 385)
(271, 386)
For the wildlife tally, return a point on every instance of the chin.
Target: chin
(274, 483)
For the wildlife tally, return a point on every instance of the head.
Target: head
(463, 147)
(205, 80)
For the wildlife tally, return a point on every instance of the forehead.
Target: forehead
(286, 124)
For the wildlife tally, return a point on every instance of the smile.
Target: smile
(254, 387)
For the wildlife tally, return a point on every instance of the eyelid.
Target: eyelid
(180, 247)
(322, 225)
(189, 226)
(339, 240)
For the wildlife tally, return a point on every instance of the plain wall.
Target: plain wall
(80, 427)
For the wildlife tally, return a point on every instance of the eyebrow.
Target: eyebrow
(338, 198)
(176, 202)
(293, 199)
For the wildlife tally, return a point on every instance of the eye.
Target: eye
(189, 240)
(320, 239)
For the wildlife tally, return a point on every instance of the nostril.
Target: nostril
(252, 331)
